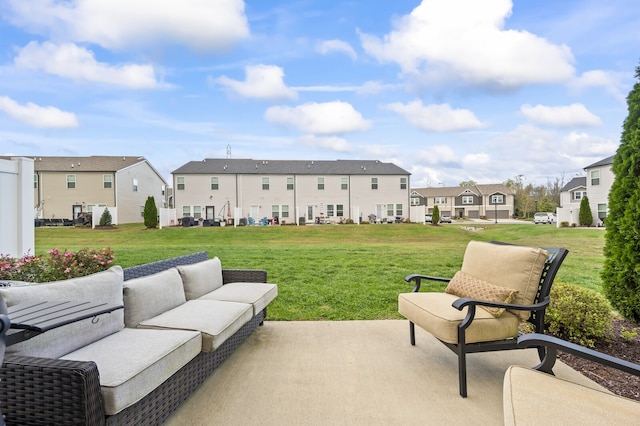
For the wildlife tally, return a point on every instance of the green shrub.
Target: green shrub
(150, 213)
(564, 224)
(435, 215)
(578, 314)
(105, 219)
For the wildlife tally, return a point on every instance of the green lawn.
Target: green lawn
(335, 272)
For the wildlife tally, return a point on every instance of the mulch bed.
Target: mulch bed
(616, 381)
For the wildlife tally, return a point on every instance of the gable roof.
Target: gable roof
(94, 163)
(603, 162)
(289, 167)
(455, 191)
(576, 182)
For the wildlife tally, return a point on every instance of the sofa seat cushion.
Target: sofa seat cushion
(259, 295)
(514, 267)
(215, 319)
(434, 313)
(531, 397)
(201, 278)
(133, 362)
(151, 295)
(105, 286)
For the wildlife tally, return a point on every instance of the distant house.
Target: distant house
(476, 201)
(67, 186)
(595, 185)
(291, 190)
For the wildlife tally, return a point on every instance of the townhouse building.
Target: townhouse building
(66, 186)
(291, 190)
(489, 201)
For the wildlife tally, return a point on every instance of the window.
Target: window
(107, 181)
(275, 210)
(214, 183)
(579, 195)
(35, 181)
(285, 210)
(141, 211)
(71, 181)
(440, 200)
(265, 183)
(339, 210)
(320, 183)
(180, 183)
(135, 185)
(415, 201)
(289, 184)
(595, 177)
(390, 209)
(197, 212)
(186, 210)
(398, 209)
(344, 183)
(602, 212)
(374, 183)
(497, 199)
(467, 199)
(403, 183)
(330, 211)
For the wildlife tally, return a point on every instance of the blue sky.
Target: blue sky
(450, 90)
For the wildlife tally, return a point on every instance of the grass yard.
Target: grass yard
(335, 272)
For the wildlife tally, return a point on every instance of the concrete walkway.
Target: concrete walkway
(351, 373)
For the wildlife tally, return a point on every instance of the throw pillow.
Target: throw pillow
(465, 285)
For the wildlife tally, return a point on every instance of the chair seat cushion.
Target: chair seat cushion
(535, 398)
(152, 356)
(434, 313)
(216, 320)
(259, 295)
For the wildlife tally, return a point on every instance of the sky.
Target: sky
(449, 90)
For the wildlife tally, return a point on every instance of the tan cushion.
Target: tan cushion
(516, 267)
(464, 285)
(214, 319)
(201, 278)
(434, 313)
(149, 296)
(133, 362)
(259, 295)
(105, 286)
(534, 398)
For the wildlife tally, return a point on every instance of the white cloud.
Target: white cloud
(444, 40)
(333, 143)
(436, 118)
(328, 118)
(476, 160)
(261, 82)
(330, 46)
(201, 25)
(438, 155)
(611, 82)
(561, 116)
(38, 116)
(70, 61)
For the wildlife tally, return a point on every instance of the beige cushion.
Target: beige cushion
(216, 320)
(105, 286)
(259, 295)
(149, 296)
(133, 362)
(201, 278)
(434, 313)
(516, 267)
(464, 285)
(534, 398)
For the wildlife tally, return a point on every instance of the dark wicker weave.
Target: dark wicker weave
(43, 391)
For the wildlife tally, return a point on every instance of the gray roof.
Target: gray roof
(94, 163)
(603, 162)
(289, 167)
(454, 191)
(576, 182)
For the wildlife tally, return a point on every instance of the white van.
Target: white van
(544, 217)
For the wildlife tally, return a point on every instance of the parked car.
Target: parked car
(544, 217)
(445, 219)
(428, 218)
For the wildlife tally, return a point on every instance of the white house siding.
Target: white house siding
(599, 194)
(131, 202)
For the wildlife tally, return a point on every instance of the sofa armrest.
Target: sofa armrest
(244, 275)
(50, 391)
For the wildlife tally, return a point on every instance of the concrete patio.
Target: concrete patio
(351, 373)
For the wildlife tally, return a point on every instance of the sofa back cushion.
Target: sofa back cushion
(201, 278)
(105, 286)
(149, 296)
(514, 267)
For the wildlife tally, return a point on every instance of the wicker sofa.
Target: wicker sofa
(182, 317)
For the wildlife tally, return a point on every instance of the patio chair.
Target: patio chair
(508, 283)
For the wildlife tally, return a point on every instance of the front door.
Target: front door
(310, 213)
(209, 212)
(77, 208)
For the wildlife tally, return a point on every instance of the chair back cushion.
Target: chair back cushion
(148, 296)
(465, 285)
(201, 278)
(514, 267)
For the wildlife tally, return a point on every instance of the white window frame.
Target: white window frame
(467, 199)
(71, 181)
